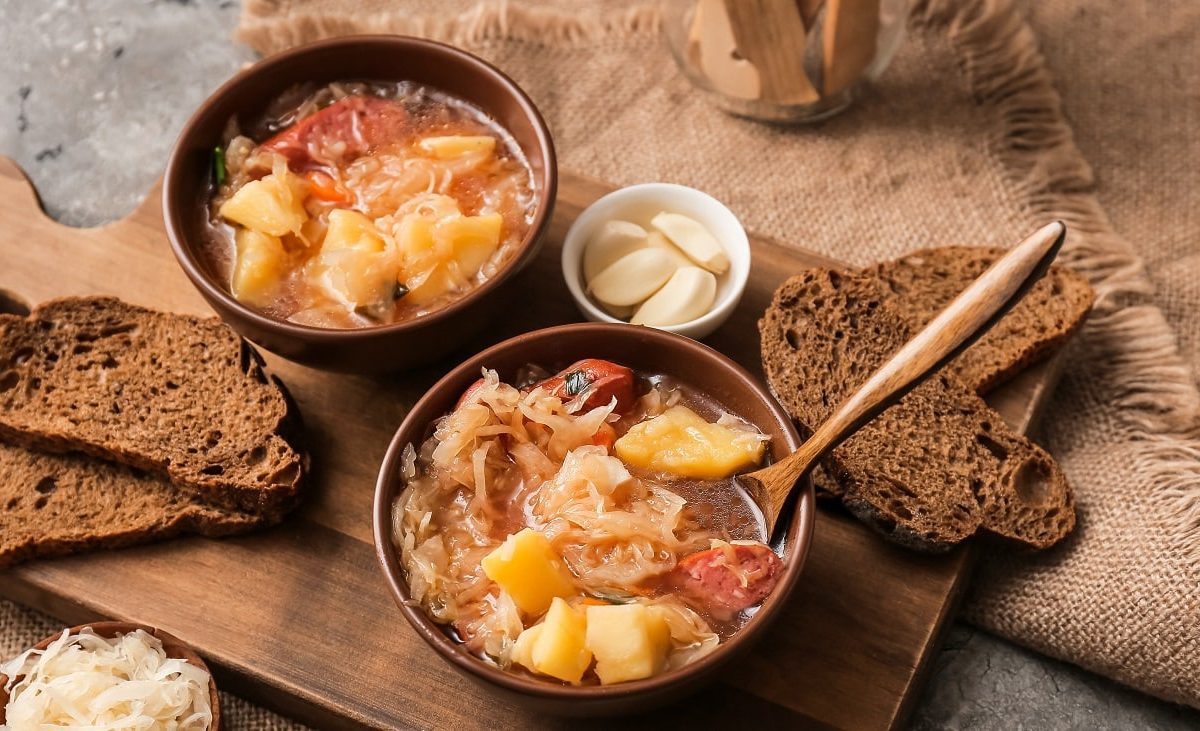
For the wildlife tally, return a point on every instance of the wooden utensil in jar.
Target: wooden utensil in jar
(755, 49)
(771, 35)
(847, 42)
(963, 321)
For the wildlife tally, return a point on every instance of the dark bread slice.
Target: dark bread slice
(922, 283)
(935, 467)
(56, 504)
(919, 285)
(175, 395)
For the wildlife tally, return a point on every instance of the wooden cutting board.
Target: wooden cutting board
(299, 618)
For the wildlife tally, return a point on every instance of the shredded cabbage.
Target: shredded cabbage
(612, 529)
(691, 638)
(506, 459)
(85, 681)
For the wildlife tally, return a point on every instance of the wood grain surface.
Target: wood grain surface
(299, 618)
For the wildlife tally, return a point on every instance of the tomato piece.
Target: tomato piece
(323, 186)
(361, 122)
(605, 437)
(604, 379)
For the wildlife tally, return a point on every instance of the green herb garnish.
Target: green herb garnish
(577, 383)
(219, 165)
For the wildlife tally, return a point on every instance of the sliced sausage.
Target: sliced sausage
(361, 123)
(727, 579)
(469, 394)
(602, 379)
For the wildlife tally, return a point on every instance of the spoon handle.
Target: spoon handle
(963, 321)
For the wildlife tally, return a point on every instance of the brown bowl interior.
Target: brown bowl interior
(645, 350)
(377, 58)
(172, 645)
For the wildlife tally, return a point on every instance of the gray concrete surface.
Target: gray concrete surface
(94, 92)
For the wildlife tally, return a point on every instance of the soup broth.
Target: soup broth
(359, 204)
(611, 488)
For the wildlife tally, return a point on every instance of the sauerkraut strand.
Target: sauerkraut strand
(611, 528)
(506, 459)
(88, 681)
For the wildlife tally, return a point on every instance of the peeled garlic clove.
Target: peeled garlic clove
(633, 277)
(620, 312)
(655, 240)
(688, 294)
(694, 240)
(614, 240)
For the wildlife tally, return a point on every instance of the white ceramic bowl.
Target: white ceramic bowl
(639, 203)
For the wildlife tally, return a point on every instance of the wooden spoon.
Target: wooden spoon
(969, 316)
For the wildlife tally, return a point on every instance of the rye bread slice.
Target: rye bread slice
(921, 284)
(935, 467)
(175, 395)
(57, 504)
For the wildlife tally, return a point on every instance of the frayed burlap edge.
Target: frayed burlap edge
(260, 25)
(1005, 70)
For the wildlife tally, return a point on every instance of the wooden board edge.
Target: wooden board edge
(1047, 373)
(936, 638)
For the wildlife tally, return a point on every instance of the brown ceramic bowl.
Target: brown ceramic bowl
(382, 58)
(646, 350)
(172, 645)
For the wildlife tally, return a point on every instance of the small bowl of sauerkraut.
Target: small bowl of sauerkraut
(109, 675)
(561, 517)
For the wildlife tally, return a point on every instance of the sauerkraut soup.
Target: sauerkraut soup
(358, 204)
(585, 527)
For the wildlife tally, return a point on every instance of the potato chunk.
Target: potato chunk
(472, 239)
(363, 281)
(444, 255)
(522, 650)
(561, 650)
(681, 442)
(451, 146)
(629, 641)
(351, 230)
(273, 205)
(557, 646)
(259, 267)
(357, 266)
(527, 567)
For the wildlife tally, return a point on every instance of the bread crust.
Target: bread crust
(175, 395)
(934, 468)
(920, 285)
(59, 504)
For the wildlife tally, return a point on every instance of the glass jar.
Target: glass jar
(783, 60)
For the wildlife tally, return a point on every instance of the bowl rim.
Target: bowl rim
(572, 258)
(172, 646)
(188, 259)
(799, 529)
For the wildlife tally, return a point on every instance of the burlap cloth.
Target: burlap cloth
(963, 140)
